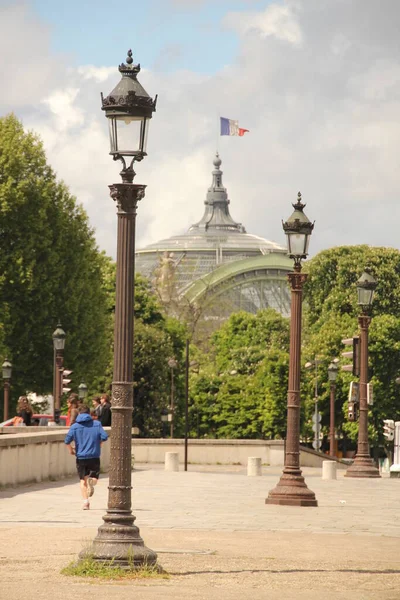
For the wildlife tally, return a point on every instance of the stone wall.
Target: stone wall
(27, 456)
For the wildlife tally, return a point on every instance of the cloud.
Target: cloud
(317, 83)
(276, 20)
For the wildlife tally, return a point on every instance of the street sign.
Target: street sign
(316, 444)
(316, 417)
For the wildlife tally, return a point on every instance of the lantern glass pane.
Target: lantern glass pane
(365, 297)
(128, 135)
(297, 243)
(7, 372)
(59, 343)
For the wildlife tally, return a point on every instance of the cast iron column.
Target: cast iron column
(6, 398)
(363, 465)
(186, 402)
(332, 421)
(118, 539)
(58, 376)
(292, 489)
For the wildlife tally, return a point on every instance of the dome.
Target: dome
(212, 243)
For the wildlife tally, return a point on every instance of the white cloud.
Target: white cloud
(323, 116)
(276, 20)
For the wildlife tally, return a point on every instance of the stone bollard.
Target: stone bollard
(328, 469)
(253, 466)
(171, 461)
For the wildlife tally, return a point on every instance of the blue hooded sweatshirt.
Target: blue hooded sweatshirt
(87, 435)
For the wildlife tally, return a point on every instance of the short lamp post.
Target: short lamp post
(7, 372)
(128, 109)
(58, 345)
(82, 392)
(363, 465)
(172, 363)
(291, 489)
(333, 370)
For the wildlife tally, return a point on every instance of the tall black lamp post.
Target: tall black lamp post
(128, 109)
(363, 465)
(7, 371)
(333, 370)
(291, 488)
(58, 345)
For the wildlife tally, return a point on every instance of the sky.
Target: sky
(317, 83)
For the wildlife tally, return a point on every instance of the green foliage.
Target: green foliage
(241, 393)
(331, 313)
(50, 268)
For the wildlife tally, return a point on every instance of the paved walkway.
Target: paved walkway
(215, 536)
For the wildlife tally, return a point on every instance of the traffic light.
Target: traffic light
(352, 411)
(388, 429)
(354, 354)
(66, 381)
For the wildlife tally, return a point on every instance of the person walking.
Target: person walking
(96, 410)
(88, 436)
(24, 411)
(105, 415)
(72, 403)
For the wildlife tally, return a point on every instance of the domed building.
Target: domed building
(217, 265)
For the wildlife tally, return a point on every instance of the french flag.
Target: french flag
(231, 127)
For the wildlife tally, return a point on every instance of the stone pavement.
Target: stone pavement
(214, 535)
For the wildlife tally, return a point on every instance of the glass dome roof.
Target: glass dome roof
(211, 242)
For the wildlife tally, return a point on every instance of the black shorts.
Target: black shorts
(88, 467)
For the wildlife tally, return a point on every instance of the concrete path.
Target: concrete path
(215, 536)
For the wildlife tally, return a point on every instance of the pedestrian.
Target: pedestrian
(88, 436)
(72, 403)
(24, 411)
(96, 410)
(105, 415)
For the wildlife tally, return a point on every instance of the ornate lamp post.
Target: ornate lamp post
(172, 363)
(332, 376)
(292, 489)
(59, 345)
(7, 371)
(128, 109)
(363, 465)
(82, 391)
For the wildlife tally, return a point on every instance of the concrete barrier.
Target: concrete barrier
(253, 466)
(171, 461)
(40, 456)
(328, 469)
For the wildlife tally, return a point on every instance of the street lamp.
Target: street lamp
(291, 488)
(363, 465)
(82, 391)
(172, 363)
(58, 345)
(128, 109)
(332, 376)
(7, 371)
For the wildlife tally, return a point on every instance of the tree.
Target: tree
(241, 392)
(50, 268)
(331, 313)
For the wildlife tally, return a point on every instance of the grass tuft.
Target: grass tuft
(109, 569)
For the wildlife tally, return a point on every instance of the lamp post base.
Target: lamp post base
(292, 490)
(120, 543)
(363, 466)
